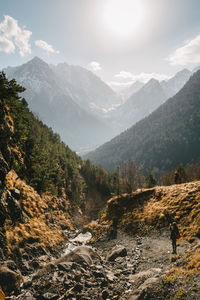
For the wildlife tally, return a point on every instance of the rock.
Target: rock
(110, 275)
(105, 294)
(2, 243)
(50, 296)
(104, 283)
(10, 264)
(15, 193)
(78, 287)
(27, 296)
(10, 280)
(81, 255)
(97, 274)
(142, 291)
(34, 264)
(143, 275)
(4, 169)
(14, 209)
(65, 266)
(3, 213)
(118, 251)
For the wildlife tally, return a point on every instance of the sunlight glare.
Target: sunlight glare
(124, 17)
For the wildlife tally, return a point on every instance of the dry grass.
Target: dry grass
(44, 217)
(156, 208)
(159, 207)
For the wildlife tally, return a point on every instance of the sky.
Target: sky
(121, 41)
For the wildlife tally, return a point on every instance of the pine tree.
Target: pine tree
(150, 180)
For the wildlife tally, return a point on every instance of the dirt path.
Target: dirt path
(144, 255)
(147, 258)
(154, 250)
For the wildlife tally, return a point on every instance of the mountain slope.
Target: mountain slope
(55, 106)
(134, 88)
(174, 84)
(139, 105)
(168, 137)
(144, 99)
(86, 89)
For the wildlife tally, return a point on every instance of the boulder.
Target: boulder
(82, 255)
(142, 291)
(118, 251)
(79, 254)
(10, 280)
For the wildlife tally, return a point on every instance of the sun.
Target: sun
(124, 17)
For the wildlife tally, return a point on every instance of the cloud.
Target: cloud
(6, 45)
(12, 36)
(124, 75)
(95, 66)
(46, 47)
(120, 84)
(189, 53)
(127, 78)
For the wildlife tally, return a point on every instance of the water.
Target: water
(78, 240)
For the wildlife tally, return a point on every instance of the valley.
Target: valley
(100, 150)
(49, 197)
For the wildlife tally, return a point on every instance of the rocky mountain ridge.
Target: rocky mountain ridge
(64, 103)
(143, 99)
(84, 110)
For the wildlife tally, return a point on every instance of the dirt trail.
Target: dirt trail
(118, 278)
(155, 249)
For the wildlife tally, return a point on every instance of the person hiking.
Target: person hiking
(174, 235)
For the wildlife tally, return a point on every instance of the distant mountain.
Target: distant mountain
(168, 137)
(196, 69)
(147, 99)
(134, 88)
(52, 100)
(139, 105)
(86, 89)
(174, 84)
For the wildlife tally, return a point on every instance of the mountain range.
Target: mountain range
(146, 99)
(167, 137)
(61, 97)
(83, 109)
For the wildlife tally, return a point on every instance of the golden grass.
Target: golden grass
(156, 208)
(39, 213)
(177, 202)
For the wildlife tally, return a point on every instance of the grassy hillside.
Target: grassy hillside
(160, 142)
(149, 211)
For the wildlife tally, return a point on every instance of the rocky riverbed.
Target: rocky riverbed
(123, 268)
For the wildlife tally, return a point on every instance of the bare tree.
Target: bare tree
(130, 176)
